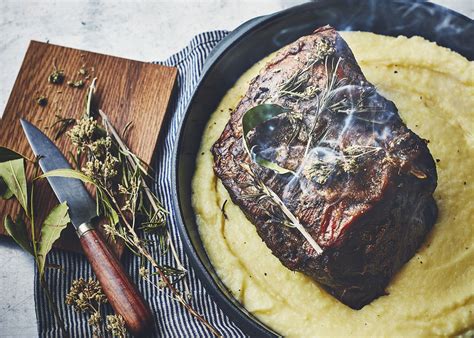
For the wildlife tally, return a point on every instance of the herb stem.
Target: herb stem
(53, 306)
(294, 220)
(179, 297)
(90, 94)
(147, 190)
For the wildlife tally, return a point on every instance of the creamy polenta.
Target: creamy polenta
(433, 294)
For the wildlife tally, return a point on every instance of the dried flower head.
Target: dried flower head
(102, 170)
(42, 100)
(116, 325)
(143, 272)
(82, 70)
(57, 76)
(84, 132)
(101, 146)
(84, 295)
(95, 319)
(161, 283)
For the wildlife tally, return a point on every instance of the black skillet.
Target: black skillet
(251, 42)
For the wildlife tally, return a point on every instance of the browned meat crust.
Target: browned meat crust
(364, 191)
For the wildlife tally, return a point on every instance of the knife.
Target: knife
(116, 284)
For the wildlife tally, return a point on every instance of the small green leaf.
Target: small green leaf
(13, 174)
(19, 232)
(251, 119)
(259, 114)
(53, 225)
(105, 207)
(5, 193)
(71, 173)
(8, 155)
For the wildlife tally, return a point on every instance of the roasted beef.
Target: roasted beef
(358, 180)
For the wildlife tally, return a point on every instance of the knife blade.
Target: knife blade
(116, 284)
(82, 207)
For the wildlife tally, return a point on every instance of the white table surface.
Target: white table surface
(140, 30)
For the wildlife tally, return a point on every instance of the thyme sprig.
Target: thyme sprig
(130, 236)
(296, 85)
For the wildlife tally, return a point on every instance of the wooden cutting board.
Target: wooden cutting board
(127, 91)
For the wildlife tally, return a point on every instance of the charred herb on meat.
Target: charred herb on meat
(296, 85)
(312, 166)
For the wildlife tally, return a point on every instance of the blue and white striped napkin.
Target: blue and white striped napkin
(171, 320)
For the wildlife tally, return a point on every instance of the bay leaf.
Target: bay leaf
(251, 119)
(19, 232)
(5, 193)
(53, 225)
(13, 174)
(7, 154)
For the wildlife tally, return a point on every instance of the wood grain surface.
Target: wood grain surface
(127, 91)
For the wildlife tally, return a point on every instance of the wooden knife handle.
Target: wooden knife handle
(116, 284)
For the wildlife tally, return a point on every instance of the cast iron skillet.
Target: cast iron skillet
(251, 42)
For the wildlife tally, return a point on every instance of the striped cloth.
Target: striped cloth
(171, 320)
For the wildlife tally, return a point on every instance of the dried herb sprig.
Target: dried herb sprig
(116, 326)
(125, 197)
(76, 83)
(61, 125)
(296, 85)
(266, 193)
(86, 296)
(42, 100)
(133, 240)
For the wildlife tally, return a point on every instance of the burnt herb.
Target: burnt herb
(346, 160)
(297, 84)
(279, 211)
(76, 83)
(254, 117)
(61, 125)
(57, 76)
(42, 100)
(223, 209)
